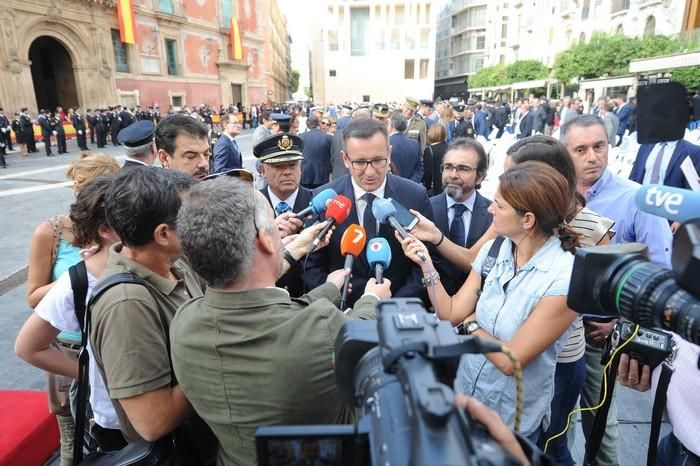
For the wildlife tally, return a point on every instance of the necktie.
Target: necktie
(370, 223)
(655, 172)
(457, 234)
(281, 208)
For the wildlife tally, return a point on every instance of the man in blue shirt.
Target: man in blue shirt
(607, 194)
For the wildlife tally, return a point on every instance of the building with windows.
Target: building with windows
(372, 50)
(472, 34)
(69, 53)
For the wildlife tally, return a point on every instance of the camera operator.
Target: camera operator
(682, 445)
(246, 354)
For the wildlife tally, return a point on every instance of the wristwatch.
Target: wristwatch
(471, 326)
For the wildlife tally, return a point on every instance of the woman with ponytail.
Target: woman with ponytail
(523, 300)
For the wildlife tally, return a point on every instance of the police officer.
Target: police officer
(427, 111)
(57, 129)
(5, 128)
(90, 118)
(461, 127)
(115, 124)
(126, 117)
(139, 143)
(79, 125)
(5, 136)
(206, 114)
(26, 126)
(415, 127)
(100, 122)
(156, 114)
(46, 131)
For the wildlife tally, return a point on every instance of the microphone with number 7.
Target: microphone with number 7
(378, 256)
(384, 211)
(351, 245)
(336, 212)
(318, 204)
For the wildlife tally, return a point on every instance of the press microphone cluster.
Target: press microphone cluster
(385, 212)
(318, 204)
(337, 212)
(675, 204)
(379, 257)
(351, 245)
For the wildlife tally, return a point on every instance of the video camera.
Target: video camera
(398, 372)
(619, 280)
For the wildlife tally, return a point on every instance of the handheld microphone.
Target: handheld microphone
(385, 212)
(337, 212)
(351, 245)
(318, 204)
(378, 256)
(675, 204)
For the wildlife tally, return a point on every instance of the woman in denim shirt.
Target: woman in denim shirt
(523, 302)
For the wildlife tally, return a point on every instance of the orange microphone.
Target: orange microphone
(351, 245)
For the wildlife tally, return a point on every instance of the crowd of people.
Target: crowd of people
(229, 311)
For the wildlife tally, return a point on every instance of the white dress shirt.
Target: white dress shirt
(274, 200)
(466, 216)
(360, 203)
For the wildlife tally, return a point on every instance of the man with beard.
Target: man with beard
(183, 145)
(460, 212)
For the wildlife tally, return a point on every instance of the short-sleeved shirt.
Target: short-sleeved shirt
(252, 358)
(507, 300)
(58, 309)
(129, 330)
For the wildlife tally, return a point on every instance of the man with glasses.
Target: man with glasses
(366, 154)
(227, 154)
(316, 166)
(461, 213)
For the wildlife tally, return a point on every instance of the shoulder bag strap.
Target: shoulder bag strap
(490, 260)
(658, 411)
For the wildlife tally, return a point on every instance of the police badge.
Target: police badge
(285, 143)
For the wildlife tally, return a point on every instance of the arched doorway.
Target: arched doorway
(52, 74)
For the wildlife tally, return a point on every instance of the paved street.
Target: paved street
(34, 188)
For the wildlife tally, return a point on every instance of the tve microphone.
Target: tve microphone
(351, 245)
(378, 256)
(675, 204)
(318, 204)
(336, 212)
(385, 212)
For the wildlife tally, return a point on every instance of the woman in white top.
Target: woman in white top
(56, 311)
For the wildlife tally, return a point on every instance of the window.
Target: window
(166, 6)
(121, 59)
(481, 42)
(585, 11)
(331, 73)
(619, 5)
(365, 98)
(424, 62)
(176, 100)
(504, 30)
(650, 26)
(359, 29)
(171, 56)
(226, 7)
(409, 69)
(332, 41)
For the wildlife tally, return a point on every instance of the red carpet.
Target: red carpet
(28, 432)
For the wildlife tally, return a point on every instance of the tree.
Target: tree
(309, 94)
(294, 82)
(689, 77)
(603, 55)
(490, 76)
(526, 70)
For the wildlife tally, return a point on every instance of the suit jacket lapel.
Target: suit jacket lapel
(441, 219)
(676, 159)
(478, 219)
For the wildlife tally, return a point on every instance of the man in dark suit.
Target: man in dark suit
(115, 123)
(280, 159)
(406, 157)
(623, 112)
(316, 165)
(79, 125)
(139, 143)
(367, 155)
(660, 163)
(527, 122)
(46, 131)
(460, 127)
(460, 211)
(227, 154)
(90, 118)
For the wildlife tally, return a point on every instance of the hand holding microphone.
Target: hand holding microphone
(351, 245)
(385, 212)
(379, 257)
(336, 213)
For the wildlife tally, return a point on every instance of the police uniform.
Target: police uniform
(46, 131)
(91, 125)
(57, 127)
(5, 137)
(79, 125)
(380, 112)
(138, 134)
(460, 128)
(114, 126)
(101, 122)
(280, 148)
(434, 117)
(416, 127)
(26, 128)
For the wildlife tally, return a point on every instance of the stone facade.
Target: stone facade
(182, 55)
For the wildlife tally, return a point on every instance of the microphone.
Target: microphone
(318, 204)
(351, 245)
(385, 212)
(675, 204)
(337, 212)
(378, 256)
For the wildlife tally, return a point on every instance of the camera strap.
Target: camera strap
(601, 415)
(658, 409)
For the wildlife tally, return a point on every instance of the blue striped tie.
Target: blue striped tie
(281, 208)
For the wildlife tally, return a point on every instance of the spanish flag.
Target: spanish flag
(236, 45)
(127, 26)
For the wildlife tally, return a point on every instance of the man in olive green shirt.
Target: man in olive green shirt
(128, 333)
(247, 355)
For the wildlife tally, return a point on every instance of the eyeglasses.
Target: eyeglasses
(362, 164)
(461, 169)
